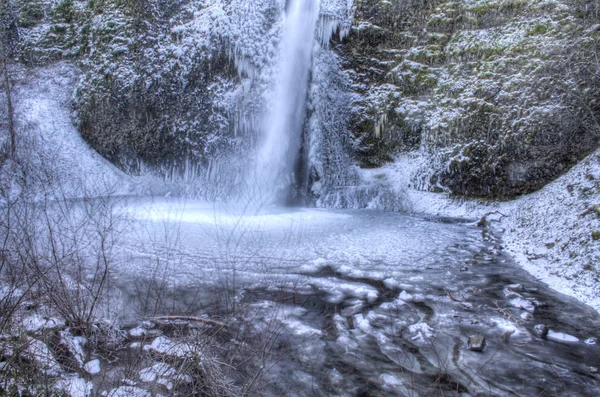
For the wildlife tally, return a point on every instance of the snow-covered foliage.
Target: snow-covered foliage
(499, 96)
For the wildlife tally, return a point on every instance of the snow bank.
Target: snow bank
(49, 140)
(74, 387)
(550, 233)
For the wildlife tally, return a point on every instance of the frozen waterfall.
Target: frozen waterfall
(283, 124)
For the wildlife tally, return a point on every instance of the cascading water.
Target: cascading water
(283, 124)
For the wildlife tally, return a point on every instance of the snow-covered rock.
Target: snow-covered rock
(75, 345)
(165, 346)
(74, 386)
(158, 372)
(521, 303)
(93, 367)
(138, 332)
(39, 353)
(37, 322)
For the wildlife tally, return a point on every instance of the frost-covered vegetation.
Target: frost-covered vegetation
(500, 96)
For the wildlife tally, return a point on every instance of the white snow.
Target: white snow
(75, 345)
(38, 352)
(166, 346)
(521, 303)
(299, 328)
(135, 345)
(52, 142)
(93, 367)
(74, 386)
(562, 337)
(551, 238)
(129, 391)
(421, 330)
(394, 384)
(157, 372)
(137, 332)
(38, 322)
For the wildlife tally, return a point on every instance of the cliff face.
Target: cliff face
(501, 96)
(498, 97)
(146, 98)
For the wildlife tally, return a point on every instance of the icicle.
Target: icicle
(380, 125)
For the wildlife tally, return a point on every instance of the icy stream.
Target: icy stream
(369, 303)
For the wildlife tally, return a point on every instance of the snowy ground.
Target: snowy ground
(550, 234)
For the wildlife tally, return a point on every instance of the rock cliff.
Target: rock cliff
(497, 97)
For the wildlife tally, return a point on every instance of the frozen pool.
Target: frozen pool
(372, 303)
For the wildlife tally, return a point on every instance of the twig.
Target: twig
(452, 297)
(483, 221)
(564, 247)
(187, 318)
(593, 209)
(507, 313)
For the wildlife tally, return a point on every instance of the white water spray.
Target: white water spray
(284, 121)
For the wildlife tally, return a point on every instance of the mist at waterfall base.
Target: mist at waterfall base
(279, 173)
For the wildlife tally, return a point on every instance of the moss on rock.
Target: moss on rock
(513, 78)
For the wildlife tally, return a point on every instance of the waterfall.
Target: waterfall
(279, 150)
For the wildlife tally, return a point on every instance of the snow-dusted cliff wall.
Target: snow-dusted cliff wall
(496, 97)
(491, 98)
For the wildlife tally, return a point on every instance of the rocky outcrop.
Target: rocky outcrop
(501, 96)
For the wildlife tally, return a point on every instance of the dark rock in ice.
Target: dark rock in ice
(541, 330)
(476, 343)
(515, 287)
(526, 316)
(506, 335)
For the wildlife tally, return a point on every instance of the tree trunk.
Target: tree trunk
(11, 120)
